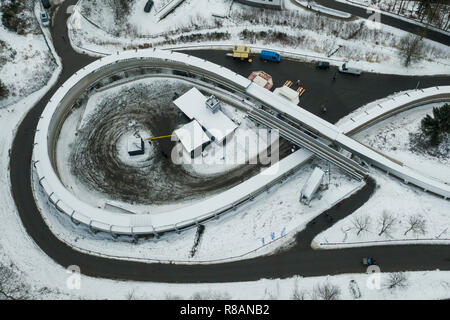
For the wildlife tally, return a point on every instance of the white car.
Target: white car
(45, 19)
(349, 67)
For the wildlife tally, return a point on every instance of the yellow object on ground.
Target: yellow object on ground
(154, 138)
(241, 52)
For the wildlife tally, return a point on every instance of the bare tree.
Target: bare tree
(131, 295)
(397, 280)
(416, 224)
(11, 286)
(386, 221)
(171, 296)
(296, 293)
(210, 295)
(411, 49)
(361, 223)
(326, 291)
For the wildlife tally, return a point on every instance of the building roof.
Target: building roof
(191, 136)
(193, 104)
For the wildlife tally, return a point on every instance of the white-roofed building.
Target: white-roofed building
(135, 146)
(193, 138)
(217, 125)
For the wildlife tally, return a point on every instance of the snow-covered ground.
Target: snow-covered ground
(418, 285)
(274, 215)
(278, 209)
(407, 10)
(393, 200)
(217, 160)
(26, 63)
(393, 137)
(294, 29)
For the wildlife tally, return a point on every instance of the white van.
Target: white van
(349, 67)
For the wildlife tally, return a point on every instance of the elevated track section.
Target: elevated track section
(295, 124)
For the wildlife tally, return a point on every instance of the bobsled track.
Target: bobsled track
(299, 259)
(312, 134)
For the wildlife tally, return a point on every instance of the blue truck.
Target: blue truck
(270, 56)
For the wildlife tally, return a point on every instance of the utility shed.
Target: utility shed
(217, 125)
(287, 93)
(193, 138)
(311, 186)
(135, 146)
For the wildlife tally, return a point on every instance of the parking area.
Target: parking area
(340, 96)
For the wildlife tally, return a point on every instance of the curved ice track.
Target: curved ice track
(252, 95)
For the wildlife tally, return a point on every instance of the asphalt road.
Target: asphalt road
(340, 97)
(388, 20)
(298, 260)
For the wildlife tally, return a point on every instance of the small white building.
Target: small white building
(288, 94)
(311, 185)
(135, 146)
(193, 138)
(217, 125)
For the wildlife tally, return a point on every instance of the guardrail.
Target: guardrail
(210, 261)
(384, 242)
(97, 219)
(401, 102)
(399, 16)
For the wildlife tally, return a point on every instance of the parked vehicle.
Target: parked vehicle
(148, 6)
(349, 67)
(322, 65)
(46, 4)
(242, 52)
(45, 19)
(270, 56)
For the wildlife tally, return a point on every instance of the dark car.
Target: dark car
(148, 6)
(322, 65)
(46, 4)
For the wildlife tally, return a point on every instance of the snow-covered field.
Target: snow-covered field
(393, 137)
(294, 29)
(395, 203)
(26, 63)
(274, 215)
(408, 10)
(276, 212)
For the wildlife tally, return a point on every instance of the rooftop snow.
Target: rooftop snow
(313, 182)
(193, 104)
(191, 136)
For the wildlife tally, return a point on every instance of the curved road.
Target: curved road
(388, 20)
(299, 259)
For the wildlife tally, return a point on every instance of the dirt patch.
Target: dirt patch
(94, 156)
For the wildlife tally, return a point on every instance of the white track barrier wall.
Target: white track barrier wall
(116, 223)
(103, 220)
(376, 112)
(336, 135)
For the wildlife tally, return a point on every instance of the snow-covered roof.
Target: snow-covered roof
(287, 93)
(191, 136)
(134, 144)
(217, 124)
